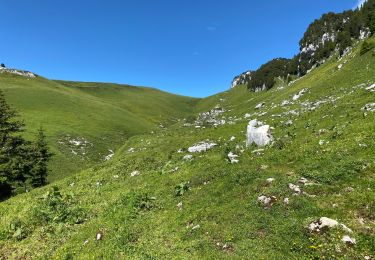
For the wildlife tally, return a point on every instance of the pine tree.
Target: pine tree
(41, 156)
(11, 146)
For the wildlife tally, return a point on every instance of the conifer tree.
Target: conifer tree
(11, 146)
(40, 158)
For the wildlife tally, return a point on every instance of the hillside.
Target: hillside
(86, 122)
(160, 199)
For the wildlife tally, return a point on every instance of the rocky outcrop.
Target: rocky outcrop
(23, 73)
(241, 79)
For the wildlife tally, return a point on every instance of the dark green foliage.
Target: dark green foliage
(2, 65)
(54, 207)
(322, 38)
(12, 149)
(264, 77)
(41, 156)
(182, 188)
(17, 230)
(21, 161)
(367, 46)
(144, 202)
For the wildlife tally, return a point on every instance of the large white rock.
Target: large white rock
(325, 223)
(201, 147)
(258, 134)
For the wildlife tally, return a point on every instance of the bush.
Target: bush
(144, 202)
(182, 188)
(366, 47)
(17, 230)
(57, 208)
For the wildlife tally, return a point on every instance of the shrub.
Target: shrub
(144, 202)
(17, 230)
(182, 188)
(366, 47)
(55, 207)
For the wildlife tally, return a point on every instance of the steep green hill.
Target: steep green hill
(156, 199)
(85, 122)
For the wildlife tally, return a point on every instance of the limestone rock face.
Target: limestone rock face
(258, 133)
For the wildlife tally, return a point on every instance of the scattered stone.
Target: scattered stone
(131, 150)
(339, 67)
(263, 167)
(179, 205)
(286, 201)
(267, 201)
(232, 138)
(270, 180)
(370, 107)
(299, 94)
(258, 151)
(260, 105)
(371, 88)
(233, 157)
(99, 235)
(288, 123)
(294, 188)
(325, 223)
(110, 155)
(285, 103)
(258, 133)
(303, 180)
(187, 157)
(211, 117)
(348, 240)
(201, 147)
(195, 227)
(134, 173)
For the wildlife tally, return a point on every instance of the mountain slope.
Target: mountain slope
(85, 122)
(155, 202)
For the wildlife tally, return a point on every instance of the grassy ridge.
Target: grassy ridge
(104, 115)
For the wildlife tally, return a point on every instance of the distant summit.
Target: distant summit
(23, 73)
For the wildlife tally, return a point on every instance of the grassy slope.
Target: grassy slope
(103, 114)
(222, 198)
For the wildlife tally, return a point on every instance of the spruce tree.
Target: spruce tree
(11, 148)
(41, 156)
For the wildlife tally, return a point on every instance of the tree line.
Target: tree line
(23, 163)
(332, 32)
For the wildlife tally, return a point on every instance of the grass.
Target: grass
(220, 216)
(105, 115)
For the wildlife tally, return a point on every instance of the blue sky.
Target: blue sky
(189, 47)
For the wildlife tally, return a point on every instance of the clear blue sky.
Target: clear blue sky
(189, 47)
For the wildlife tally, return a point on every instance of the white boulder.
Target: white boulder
(258, 134)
